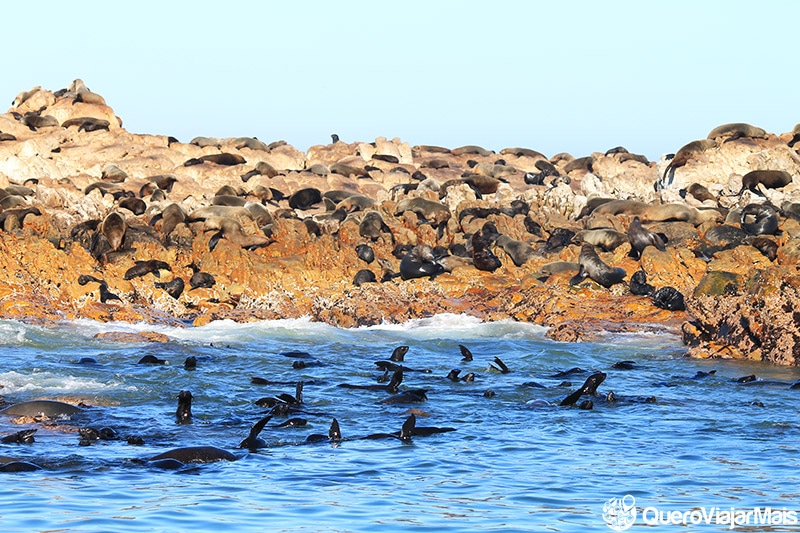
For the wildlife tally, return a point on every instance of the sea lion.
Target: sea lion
(105, 294)
(372, 226)
(482, 256)
(334, 434)
(229, 200)
(232, 230)
(638, 284)
(641, 237)
(699, 193)
(48, 408)
(432, 212)
(87, 124)
(471, 150)
(419, 263)
(224, 159)
(364, 276)
(6, 137)
(184, 412)
(588, 387)
(252, 441)
(410, 429)
(736, 130)
(759, 219)
(134, 205)
(142, 268)
(24, 436)
(771, 179)
(194, 454)
(305, 198)
(408, 396)
(669, 298)
(24, 96)
(590, 264)
(500, 366)
(620, 207)
(171, 216)
(19, 214)
(555, 267)
(113, 174)
(767, 247)
(519, 252)
(174, 288)
(113, 229)
(606, 238)
(679, 213)
(34, 121)
(88, 97)
(200, 280)
(365, 253)
(681, 157)
(392, 387)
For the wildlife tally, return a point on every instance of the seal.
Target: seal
(364, 276)
(392, 387)
(471, 149)
(759, 219)
(372, 226)
(113, 228)
(87, 124)
(252, 441)
(334, 434)
(224, 159)
(699, 193)
(641, 237)
(679, 213)
(194, 454)
(305, 198)
(432, 212)
(419, 262)
(606, 238)
(482, 256)
(48, 408)
(365, 253)
(590, 264)
(142, 268)
(638, 284)
(134, 205)
(771, 179)
(519, 251)
(685, 154)
(588, 387)
(669, 298)
(767, 247)
(548, 269)
(737, 130)
(183, 413)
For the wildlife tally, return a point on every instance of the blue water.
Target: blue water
(513, 463)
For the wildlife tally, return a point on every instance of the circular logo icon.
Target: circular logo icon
(620, 513)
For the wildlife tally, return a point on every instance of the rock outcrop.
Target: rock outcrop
(277, 229)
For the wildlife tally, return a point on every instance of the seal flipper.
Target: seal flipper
(252, 441)
(580, 276)
(408, 428)
(467, 355)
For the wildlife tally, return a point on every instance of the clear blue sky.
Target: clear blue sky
(554, 76)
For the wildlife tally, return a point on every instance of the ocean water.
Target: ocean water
(702, 449)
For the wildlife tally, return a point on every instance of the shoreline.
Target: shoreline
(278, 230)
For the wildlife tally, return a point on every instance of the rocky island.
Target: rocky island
(101, 223)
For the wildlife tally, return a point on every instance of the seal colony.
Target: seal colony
(247, 230)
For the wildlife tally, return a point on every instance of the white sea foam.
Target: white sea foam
(47, 382)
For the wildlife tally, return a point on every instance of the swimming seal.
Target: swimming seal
(195, 454)
(419, 263)
(334, 434)
(759, 219)
(641, 237)
(253, 442)
(48, 408)
(589, 387)
(184, 412)
(771, 179)
(590, 264)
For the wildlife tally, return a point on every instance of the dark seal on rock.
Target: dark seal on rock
(590, 264)
(771, 179)
(759, 219)
(419, 263)
(669, 298)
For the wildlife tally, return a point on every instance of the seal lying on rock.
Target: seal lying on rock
(590, 264)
